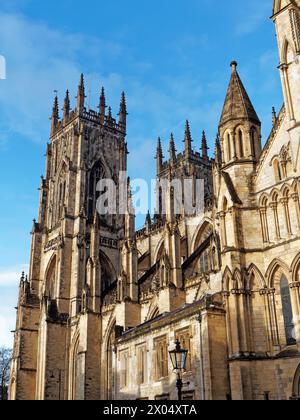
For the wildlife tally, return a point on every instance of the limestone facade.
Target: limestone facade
(103, 303)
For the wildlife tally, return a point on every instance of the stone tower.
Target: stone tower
(75, 252)
(286, 16)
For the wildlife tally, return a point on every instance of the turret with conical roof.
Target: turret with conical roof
(239, 125)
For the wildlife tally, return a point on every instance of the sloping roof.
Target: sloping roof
(237, 103)
(232, 191)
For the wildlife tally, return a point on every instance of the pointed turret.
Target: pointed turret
(239, 125)
(159, 157)
(102, 106)
(172, 151)
(148, 219)
(237, 103)
(109, 116)
(218, 152)
(188, 141)
(67, 108)
(204, 146)
(123, 112)
(81, 94)
(55, 115)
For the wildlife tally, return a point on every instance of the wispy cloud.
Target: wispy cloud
(39, 60)
(9, 277)
(254, 14)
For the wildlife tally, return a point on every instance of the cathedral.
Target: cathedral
(103, 303)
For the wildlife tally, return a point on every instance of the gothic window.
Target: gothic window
(264, 220)
(108, 275)
(124, 376)
(50, 279)
(287, 311)
(185, 341)
(241, 143)
(277, 170)
(109, 378)
(205, 264)
(142, 367)
(229, 147)
(161, 358)
(96, 175)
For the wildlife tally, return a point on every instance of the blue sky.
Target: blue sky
(170, 56)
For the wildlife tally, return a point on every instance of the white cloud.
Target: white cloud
(254, 14)
(10, 277)
(39, 60)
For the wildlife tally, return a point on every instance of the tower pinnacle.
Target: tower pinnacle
(188, 140)
(81, 94)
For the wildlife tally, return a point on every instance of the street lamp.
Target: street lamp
(178, 358)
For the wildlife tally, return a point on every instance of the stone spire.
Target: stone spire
(172, 151)
(148, 219)
(55, 115)
(123, 111)
(188, 141)
(102, 105)
(218, 152)
(204, 146)
(67, 108)
(81, 94)
(109, 116)
(237, 104)
(159, 157)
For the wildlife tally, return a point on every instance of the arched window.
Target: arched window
(109, 374)
(253, 142)
(50, 279)
(241, 143)
(96, 175)
(205, 263)
(229, 154)
(264, 219)
(287, 311)
(277, 170)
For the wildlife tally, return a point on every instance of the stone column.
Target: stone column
(285, 202)
(295, 198)
(295, 298)
(223, 229)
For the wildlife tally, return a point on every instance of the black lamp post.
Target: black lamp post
(178, 358)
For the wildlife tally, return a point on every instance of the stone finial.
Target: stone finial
(102, 105)
(172, 150)
(67, 108)
(123, 111)
(204, 146)
(188, 140)
(233, 66)
(81, 94)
